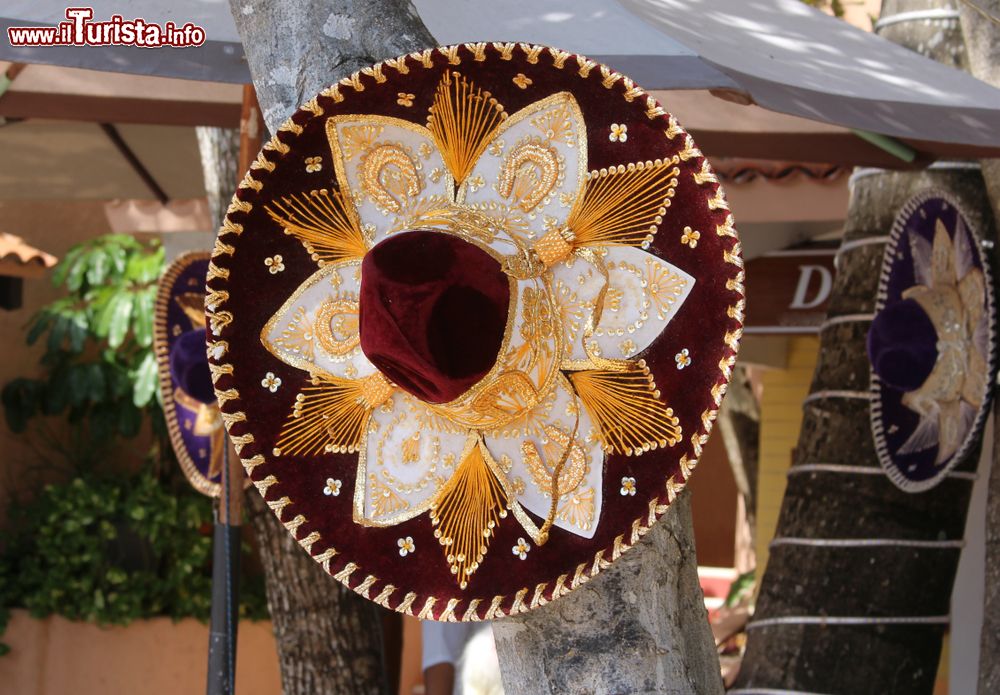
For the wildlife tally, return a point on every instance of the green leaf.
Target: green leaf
(78, 271)
(142, 317)
(129, 419)
(118, 324)
(97, 267)
(39, 324)
(145, 380)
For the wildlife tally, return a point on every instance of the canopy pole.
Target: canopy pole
(890, 145)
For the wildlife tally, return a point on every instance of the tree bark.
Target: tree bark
(220, 153)
(329, 638)
(879, 584)
(739, 427)
(982, 45)
(638, 627)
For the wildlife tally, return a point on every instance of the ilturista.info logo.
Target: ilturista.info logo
(80, 29)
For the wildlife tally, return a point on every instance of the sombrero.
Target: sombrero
(931, 343)
(189, 403)
(472, 314)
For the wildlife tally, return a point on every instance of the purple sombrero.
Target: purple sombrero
(189, 402)
(931, 343)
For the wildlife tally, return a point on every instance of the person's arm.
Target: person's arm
(442, 645)
(439, 679)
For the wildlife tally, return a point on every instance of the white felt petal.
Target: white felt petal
(644, 293)
(580, 491)
(409, 454)
(535, 165)
(391, 169)
(316, 330)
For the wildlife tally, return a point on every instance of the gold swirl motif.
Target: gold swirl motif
(529, 173)
(542, 465)
(336, 326)
(509, 396)
(389, 177)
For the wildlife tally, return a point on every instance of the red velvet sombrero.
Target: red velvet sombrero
(472, 313)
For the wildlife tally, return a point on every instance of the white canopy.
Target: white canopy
(779, 54)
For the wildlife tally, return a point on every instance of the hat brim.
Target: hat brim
(261, 272)
(907, 448)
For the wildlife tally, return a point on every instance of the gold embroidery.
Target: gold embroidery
(298, 336)
(627, 406)
(358, 139)
(624, 205)
(578, 510)
(521, 80)
(389, 177)
(555, 246)
(664, 287)
(323, 222)
(384, 501)
(465, 513)
(542, 464)
(462, 120)
(556, 124)
(529, 172)
(331, 414)
(337, 326)
(411, 448)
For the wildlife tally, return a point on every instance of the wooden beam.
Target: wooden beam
(89, 109)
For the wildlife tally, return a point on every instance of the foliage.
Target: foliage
(99, 367)
(110, 549)
(836, 6)
(105, 546)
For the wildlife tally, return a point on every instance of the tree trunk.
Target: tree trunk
(329, 638)
(843, 618)
(220, 153)
(982, 45)
(638, 627)
(739, 427)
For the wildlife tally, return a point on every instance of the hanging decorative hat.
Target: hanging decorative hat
(473, 311)
(931, 343)
(189, 402)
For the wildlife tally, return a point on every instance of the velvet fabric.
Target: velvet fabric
(902, 345)
(189, 366)
(433, 309)
(707, 325)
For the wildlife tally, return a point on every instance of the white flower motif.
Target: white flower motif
(628, 487)
(521, 548)
(332, 487)
(682, 358)
(690, 237)
(314, 164)
(406, 546)
(271, 382)
(524, 184)
(274, 264)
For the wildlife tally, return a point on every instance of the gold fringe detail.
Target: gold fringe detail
(673, 129)
(653, 109)
(471, 613)
(624, 204)
(462, 120)
(465, 513)
(506, 50)
(558, 58)
(451, 53)
(321, 221)
(331, 414)
(530, 52)
(586, 65)
(626, 404)
(478, 51)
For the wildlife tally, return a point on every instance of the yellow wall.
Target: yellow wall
(780, 420)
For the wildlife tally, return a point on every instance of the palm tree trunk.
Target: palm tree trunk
(329, 638)
(982, 44)
(848, 616)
